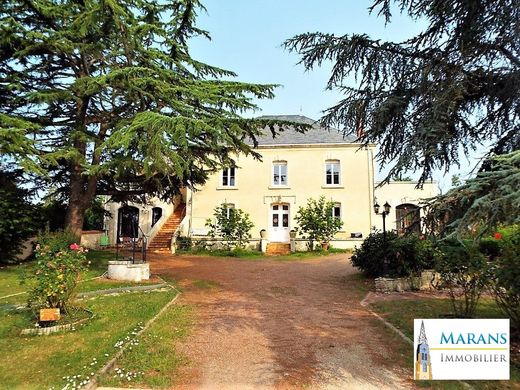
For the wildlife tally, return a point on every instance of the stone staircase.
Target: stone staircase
(278, 249)
(162, 240)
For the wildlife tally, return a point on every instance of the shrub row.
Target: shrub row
(467, 267)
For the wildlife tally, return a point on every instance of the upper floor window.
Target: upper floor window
(280, 173)
(228, 177)
(332, 172)
(336, 210)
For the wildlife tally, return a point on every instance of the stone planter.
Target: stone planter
(263, 233)
(325, 246)
(292, 234)
(126, 270)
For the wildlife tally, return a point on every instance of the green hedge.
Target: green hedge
(404, 256)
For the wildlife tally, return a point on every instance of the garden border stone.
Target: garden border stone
(117, 290)
(44, 331)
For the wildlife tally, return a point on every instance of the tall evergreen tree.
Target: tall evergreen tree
(454, 86)
(104, 97)
(482, 202)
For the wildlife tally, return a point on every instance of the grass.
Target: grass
(105, 284)
(248, 254)
(154, 361)
(204, 284)
(10, 277)
(37, 362)
(401, 313)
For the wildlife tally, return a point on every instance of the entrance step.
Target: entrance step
(278, 249)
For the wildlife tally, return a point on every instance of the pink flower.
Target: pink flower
(498, 236)
(74, 247)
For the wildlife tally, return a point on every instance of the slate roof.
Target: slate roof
(315, 135)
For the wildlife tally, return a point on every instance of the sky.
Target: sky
(247, 36)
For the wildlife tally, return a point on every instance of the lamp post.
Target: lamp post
(386, 211)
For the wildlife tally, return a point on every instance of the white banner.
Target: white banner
(461, 349)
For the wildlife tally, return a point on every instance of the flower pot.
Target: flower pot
(263, 233)
(292, 234)
(325, 246)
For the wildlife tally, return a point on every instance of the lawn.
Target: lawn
(401, 313)
(153, 361)
(10, 277)
(246, 254)
(36, 362)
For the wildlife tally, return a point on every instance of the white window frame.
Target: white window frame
(279, 164)
(229, 177)
(333, 163)
(229, 206)
(337, 205)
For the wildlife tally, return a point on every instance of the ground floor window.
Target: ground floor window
(336, 210)
(156, 215)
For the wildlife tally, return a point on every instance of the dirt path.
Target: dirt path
(269, 324)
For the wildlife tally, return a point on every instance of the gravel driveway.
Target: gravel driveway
(283, 325)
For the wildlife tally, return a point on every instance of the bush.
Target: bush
(230, 224)
(489, 247)
(411, 255)
(370, 257)
(465, 273)
(184, 243)
(405, 256)
(505, 280)
(59, 264)
(317, 222)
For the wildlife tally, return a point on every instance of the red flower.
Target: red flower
(498, 236)
(74, 247)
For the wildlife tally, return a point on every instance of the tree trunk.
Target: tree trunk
(74, 218)
(82, 193)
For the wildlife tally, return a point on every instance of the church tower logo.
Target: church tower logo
(423, 365)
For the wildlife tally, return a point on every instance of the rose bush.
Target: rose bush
(59, 264)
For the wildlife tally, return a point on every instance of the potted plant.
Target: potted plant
(263, 233)
(292, 233)
(325, 245)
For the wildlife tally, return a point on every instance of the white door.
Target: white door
(279, 223)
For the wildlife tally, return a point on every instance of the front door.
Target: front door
(279, 223)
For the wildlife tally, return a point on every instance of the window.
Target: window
(228, 177)
(332, 172)
(156, 215)
(280, 173)
(336, 210)
(230, 207)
